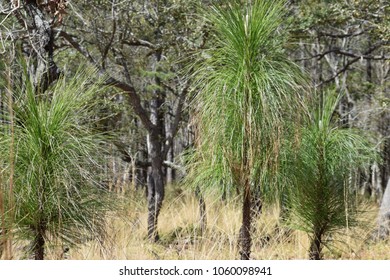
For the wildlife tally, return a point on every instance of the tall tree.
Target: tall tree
(138, 46)
(247, 86)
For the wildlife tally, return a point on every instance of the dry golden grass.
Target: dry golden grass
(181, 238)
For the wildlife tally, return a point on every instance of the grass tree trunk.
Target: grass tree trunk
(39, 241)
(245, 239)
(316, 247)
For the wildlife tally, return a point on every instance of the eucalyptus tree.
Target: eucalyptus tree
(321, 199)
(246, 88)
(138, 43)
(54, 162)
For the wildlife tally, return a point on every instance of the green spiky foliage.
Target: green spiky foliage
(57, 194)
(246, 89)
(319, 169)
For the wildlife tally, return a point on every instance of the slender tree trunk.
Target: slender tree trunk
(156, 184)
(245, 239)
(385, 165)
(38, 244)
(39, 241)
(171, 172)
(141, 172)
(142, 175)
(315, 247)
(155, 187)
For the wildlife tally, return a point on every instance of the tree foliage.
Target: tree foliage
(55, 157)
(321, 199)
(246, 88)
(244, 83)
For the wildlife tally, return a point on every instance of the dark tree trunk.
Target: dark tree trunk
(245, 239)
(39, 241)
(155, 187)
(141, 172)
(385, 165)
(315, 247)
(156, 184)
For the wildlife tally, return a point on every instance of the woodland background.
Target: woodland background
(141, 52)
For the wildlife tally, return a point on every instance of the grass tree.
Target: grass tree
(319, 169)
(56, 193)
(246, 87)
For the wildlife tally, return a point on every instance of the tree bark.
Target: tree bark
(39, 241)
(41, 38)
(315, 248)
(385, 165)
(156, 184)
(141, 173)
(245, 239)
(171, 172)
(155, 187)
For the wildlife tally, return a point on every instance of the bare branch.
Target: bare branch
(139, 42)
(135, 100)
(70, 39)
(346, 53)
(352, 61)
(127, 157)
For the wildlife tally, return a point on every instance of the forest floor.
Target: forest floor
(181, 239)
